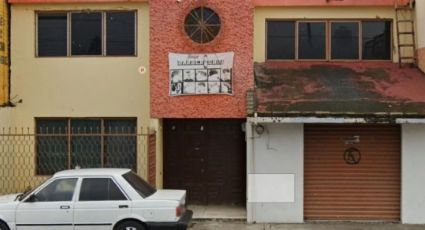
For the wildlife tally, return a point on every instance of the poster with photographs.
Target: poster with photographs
(193, 74)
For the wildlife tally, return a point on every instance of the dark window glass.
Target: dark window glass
(345, 40)
(98, 189)
(376, 40)
(51, 146)
(280, 40)
(86, 30)
(52, 34)
(93, 143)
(312, 40)
(141, 186)
(58, 190)
(120, 150)
(86, 143)
(120, 33)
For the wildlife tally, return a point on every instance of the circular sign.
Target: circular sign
(352, 156)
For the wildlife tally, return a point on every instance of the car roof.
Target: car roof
(92, 172)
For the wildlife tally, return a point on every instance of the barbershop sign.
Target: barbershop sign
(194, 74)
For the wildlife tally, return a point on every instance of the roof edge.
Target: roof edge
(311, 3)
(72, 1)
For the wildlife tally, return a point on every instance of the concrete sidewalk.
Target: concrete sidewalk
(236, 225)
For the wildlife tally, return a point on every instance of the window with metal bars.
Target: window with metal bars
(66, 143)
(202, 25)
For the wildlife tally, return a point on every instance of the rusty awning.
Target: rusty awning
(345, 89)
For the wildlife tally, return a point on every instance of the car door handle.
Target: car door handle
(65, 207)
(123, 206)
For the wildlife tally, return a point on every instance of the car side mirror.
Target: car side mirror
(32, 198)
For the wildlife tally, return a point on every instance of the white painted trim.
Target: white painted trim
(410, 121)
(305, 120)
(326, 120)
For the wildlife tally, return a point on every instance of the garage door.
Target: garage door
(207, 158)
(352, 172)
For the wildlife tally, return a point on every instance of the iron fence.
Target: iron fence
(28, 157)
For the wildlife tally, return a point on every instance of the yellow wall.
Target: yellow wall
(420, 33)
(4, 52)
(420, 23)
(263, 13)
(79, 86)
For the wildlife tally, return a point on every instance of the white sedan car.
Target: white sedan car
(90, 199)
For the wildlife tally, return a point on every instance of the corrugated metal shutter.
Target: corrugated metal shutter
(337, 190)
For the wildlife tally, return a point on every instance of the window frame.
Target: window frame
(297, 37)
(77, 196)
(103, 32)
(68, 135)
(328, 23)
(359, 42)
(48, 182)
(392, 39)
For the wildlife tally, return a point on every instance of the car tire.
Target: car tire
(130, 225)
(3, 226)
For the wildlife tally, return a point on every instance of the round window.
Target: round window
(202, 24)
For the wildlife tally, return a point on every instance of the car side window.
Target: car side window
(58, 190)
(100, 189)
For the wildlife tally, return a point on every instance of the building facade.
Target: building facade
(295, 110)
(79, 88)
(337, 125)
(201, 69)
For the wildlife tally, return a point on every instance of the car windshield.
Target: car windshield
(140, 185)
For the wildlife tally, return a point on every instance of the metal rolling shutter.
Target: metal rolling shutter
(336, 190)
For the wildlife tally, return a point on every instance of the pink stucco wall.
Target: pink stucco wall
(168, 35)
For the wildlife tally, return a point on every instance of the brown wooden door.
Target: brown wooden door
(207, 158)
(350, 180)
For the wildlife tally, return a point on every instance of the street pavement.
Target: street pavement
(239, 225)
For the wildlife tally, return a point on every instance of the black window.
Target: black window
(51, 146)
(86, 33)
(86, 30)
(280, 40)
(120, 33)
(376, 40)
(87, 143)
(58, 190)
(100, 189)
(140, 185)
(345, 40)
(52, 34)
(312, 40)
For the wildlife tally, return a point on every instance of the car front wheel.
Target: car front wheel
(3, 226)
(129, 225)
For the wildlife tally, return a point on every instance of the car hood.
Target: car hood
(177, 195)
(8, 198)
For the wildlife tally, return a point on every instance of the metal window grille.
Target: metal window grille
(27, 157)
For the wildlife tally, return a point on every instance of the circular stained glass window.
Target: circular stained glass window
(202, 24)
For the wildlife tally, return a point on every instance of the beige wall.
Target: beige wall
(420, 33)
(79, 86)
(6, 117)
(263, 13)
(420, 23)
